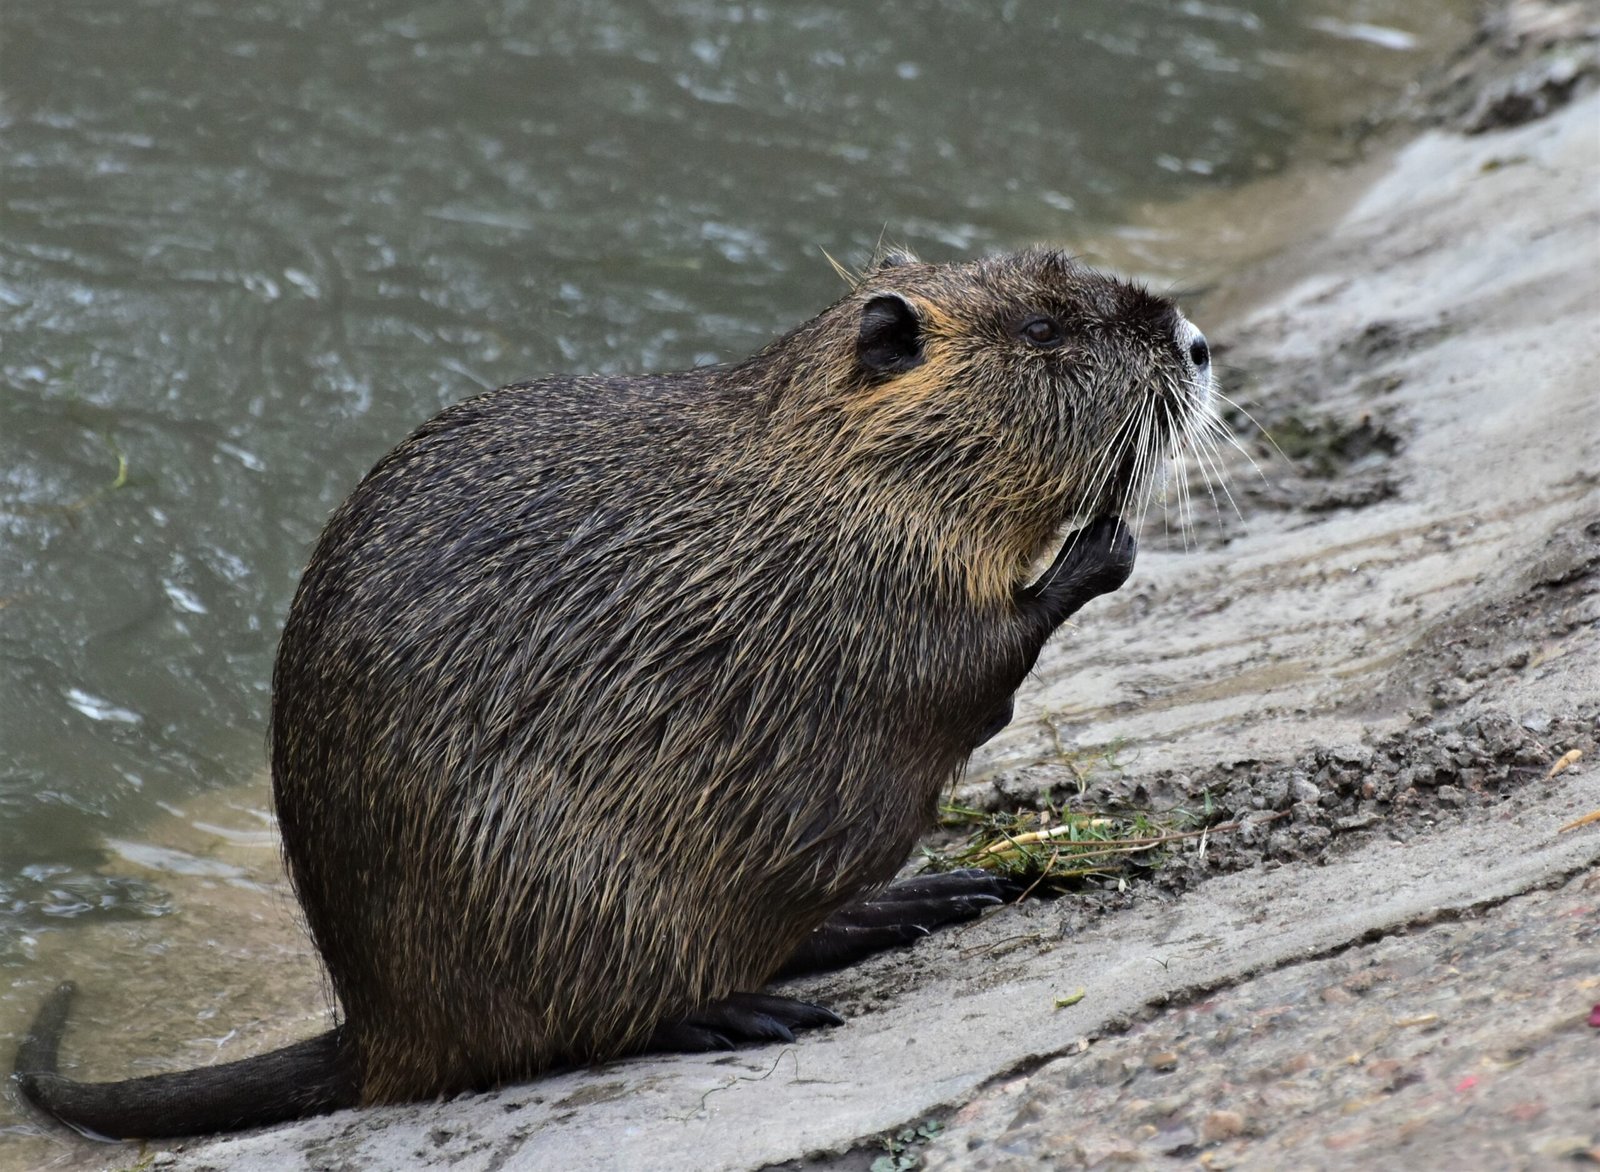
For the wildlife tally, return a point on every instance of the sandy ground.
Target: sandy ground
(1372, 664)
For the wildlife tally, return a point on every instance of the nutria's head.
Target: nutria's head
(1002, 399)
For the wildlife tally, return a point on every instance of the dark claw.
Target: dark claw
(683, 1038)
(969, 881)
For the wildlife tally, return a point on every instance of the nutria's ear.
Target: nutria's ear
(891, 335)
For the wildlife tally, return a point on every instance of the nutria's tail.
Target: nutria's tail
(308, 1078)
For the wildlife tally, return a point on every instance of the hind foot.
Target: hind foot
(899, 915)
(741, 1019)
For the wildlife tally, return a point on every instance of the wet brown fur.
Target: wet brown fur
(599, 694)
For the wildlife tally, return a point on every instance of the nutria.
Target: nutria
(605, 701)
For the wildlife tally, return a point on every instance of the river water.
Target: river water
(246, 246)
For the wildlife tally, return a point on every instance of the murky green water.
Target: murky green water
(244, 247)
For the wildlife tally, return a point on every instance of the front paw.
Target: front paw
(1099, 557)
(1094, 560)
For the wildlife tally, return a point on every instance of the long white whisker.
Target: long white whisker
(1255, 423)
(1143, 477)
(1100, 479)
(1109, 458)
(1216, 476)
(1186, 518)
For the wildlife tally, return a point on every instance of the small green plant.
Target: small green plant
(1082, 763)
(1059, 848)
(903, 1147)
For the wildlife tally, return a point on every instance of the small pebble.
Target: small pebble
(1166, 1060)
(1135, 1108)
(1295, 1065)
(1385, 1069)
(1345, 1139)
(1422, 1019)
(1221, 1125)
(1175, 1138)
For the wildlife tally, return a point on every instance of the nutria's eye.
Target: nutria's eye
(1042, 331)
(1199, 352)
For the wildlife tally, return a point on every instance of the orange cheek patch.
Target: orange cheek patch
(904, 391)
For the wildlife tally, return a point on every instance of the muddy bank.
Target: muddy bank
(1372, 665)
(1442, 1044)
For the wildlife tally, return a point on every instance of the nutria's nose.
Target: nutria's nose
(1200, 385)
